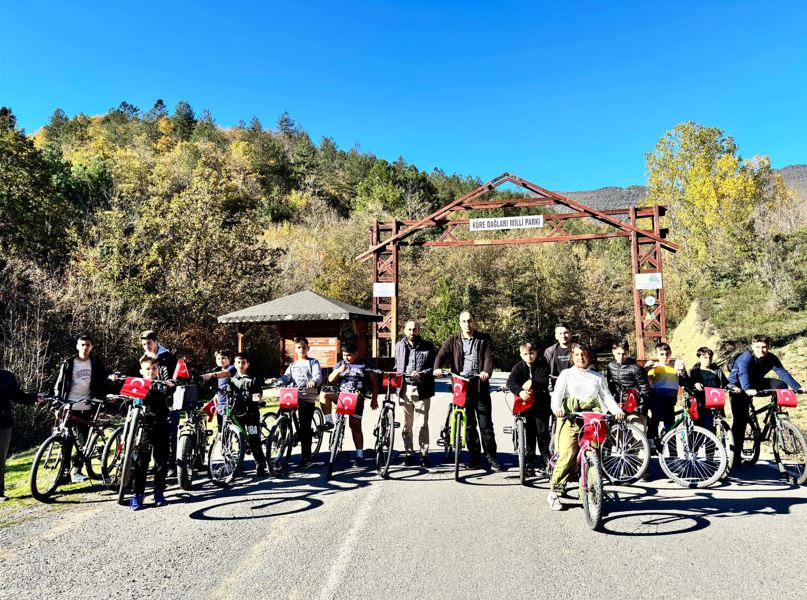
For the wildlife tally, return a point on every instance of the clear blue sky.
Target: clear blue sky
(569, 95)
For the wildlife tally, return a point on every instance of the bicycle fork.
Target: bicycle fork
(452, 427)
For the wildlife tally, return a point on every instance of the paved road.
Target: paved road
(418, 535)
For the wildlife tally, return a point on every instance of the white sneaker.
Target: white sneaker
(553, 501)
(78, 477)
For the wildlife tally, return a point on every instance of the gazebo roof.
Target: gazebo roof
(302, 306)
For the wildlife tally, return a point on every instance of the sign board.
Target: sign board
(384, 289)
(648, 281)
(493, 223)
(325, 350)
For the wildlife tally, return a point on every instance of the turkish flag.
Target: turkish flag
(289, 398)
(715, 397)
(786, 398)
(520, 405)
(393, 379)
(210, 409)
(346, 404)
(631, 400)
(135, 387)
(693, 408)
(181, 370)
(459, 388)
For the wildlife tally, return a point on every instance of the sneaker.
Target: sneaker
(424, 461)
(529, 471)
(474, 463)
(409, 460)
(553, 501)
(159, 499)
(260, 471)
(494, 464)
(78, 477)
(171, 473)
(327, 426)
(358, 461)
(136, 502)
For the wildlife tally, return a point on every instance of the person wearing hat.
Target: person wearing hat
(167, 364)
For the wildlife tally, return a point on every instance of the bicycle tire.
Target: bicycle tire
(754, 436)
(93, 460)
(458, 431)
(127, 463)
(268, 421)
(386, 438)
(187, 452)
(792, 443)
(278, 446)
(111, 459)
(592, 497)
(225, 456)
(625, 454)
(726, 437)
(337, 435)
(521, 441)
(47, 468)
(317, 423)
(704, 457)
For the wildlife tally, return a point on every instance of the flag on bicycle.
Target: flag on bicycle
(136, 387)
(693, 408)
(181, 370)
(210, 409)
(346, 404)
(459, 389)
(520, 405)
(786, 398)
(715, 397)
(289, 398)
(631, 400)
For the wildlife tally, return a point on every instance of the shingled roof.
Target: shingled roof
(302, 306)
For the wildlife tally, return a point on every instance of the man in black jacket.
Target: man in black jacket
(625, 373)
(414, 355)
(558, 355)
(81, 378)
(470, 355)
(167, 364)
(531, 377)
(9, 392)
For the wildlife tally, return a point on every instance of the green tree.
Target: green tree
(184, 120)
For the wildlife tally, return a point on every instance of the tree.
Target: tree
(184, 120)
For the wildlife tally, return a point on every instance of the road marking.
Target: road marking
(339, 566)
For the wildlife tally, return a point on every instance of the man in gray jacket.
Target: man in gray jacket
(415, 356)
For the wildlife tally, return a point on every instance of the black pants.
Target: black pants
(478, 408)
(81, 431)
(537, 432)
(305, 412)
(740, 407)
(251, 422)
(153, 441)
(661, 408)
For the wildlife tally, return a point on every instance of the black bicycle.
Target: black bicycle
(192, 446)
(386, 425)
(285, 432)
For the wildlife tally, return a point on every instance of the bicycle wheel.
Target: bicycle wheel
(521, 443)
(225, 456)
(46, 470)
(752, 444)
(111, 459)
(337, 435)
(268, 421)
(317, 422)
(792, 448)
(95, 456)
(278, 446)
(692, 457)
(459, 422)
(726, 439)
(129, 451)
(592, 493)
(386, 437)
(625, 453)
(187, 451)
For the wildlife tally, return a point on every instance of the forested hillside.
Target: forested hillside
(162, 219)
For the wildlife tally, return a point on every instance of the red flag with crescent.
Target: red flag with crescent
(289, 398)
(715, 397)
(693, 408)
(181, 370)
(786, 398)
(393, 379)
(135, 387)
(519, 405)
(631, 400)
(210, 409)
(346, 404)
(459, 389)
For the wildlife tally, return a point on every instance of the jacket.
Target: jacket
(626, 375)
(10, 392)
(551, 356)
(538, 372)
(425, 354)
(98, 379)
(167, 363)
(718, 379)
(451, 351)
(749, 371)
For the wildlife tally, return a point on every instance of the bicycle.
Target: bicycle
(225, 456)
(386, 425)
(787, 442)
(690, 455)
(594, 431)
(453, 435)
(519, 428)
(345, 408)
(192, 444)
(284, 434)
(625, 453)
(51, 465)
(715, 402)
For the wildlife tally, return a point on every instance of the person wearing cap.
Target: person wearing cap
(166, 364)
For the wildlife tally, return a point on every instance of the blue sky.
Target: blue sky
(568, 95)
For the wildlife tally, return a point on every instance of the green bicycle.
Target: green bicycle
(453, 434)
(226, 454)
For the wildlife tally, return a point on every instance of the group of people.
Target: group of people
(558, 381)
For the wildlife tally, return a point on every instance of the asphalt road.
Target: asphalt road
(418, 535)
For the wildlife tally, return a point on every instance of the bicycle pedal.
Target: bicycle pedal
(441, 442)
(397, 424)
(508, 429)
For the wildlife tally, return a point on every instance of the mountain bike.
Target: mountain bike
(453, 434)
(345, 407)
(51, 465)
(386, 425)
(787, 442)
(519, 428)
(226, 454)
(285, 432)
(625, 453)
(690, 455)
(715, 402)
(192, 444)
